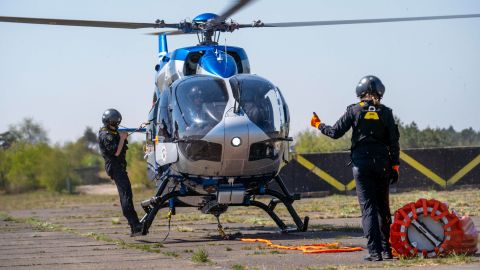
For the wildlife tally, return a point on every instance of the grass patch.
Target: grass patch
(260, 247)
(5, 217)
(239, 267)
(332, 228)
(170, 253)
(453, 259)
(277, 252)
(39, 225)
(464, 201)
(46, 226)
(418, 261)
(200, 256)
(184, 229)
(40, 199)
(116, 221)
(157, 245)
(154, 248)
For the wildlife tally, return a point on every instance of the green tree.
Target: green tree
(411, 136)
(55, 171)
(311, 141)
(137, 167)
(4, 167)
(23, 166)
(29, 131)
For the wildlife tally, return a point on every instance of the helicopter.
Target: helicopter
(217, 136)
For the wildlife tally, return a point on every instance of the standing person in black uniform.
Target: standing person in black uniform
(375, 157)
(113, 145)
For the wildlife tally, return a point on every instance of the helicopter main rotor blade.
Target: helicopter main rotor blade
(106, 24)
(361, 21)
(233, 9)
(170, 33)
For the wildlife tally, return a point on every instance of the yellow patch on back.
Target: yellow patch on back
(371, 115)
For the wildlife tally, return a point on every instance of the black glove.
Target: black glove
(394, 174)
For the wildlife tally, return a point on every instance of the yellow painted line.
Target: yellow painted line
(424, 170)
(472, 164)
(320, 173)
(351, 185)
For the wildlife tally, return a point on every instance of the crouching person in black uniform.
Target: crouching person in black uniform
(113, 145)
(375, 158)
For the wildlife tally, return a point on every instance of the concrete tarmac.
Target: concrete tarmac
(84, 237)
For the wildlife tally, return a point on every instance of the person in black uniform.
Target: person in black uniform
(375, 157)
(113, 145)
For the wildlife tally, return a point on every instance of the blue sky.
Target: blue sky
(65, 77)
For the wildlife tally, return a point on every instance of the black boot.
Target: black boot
(136, 230)
(375, 257)
(387, 255)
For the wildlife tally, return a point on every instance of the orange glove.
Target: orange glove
(315, 121)
(395, 174)
(396, 167)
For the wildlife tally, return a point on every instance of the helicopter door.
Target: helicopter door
(151, 136)
(166, 151)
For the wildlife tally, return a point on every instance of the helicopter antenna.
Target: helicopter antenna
(226, 54)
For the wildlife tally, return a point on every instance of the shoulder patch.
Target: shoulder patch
(109, 137)
(351, 105)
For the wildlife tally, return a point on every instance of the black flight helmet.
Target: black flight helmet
(111, 117)
(370, 85)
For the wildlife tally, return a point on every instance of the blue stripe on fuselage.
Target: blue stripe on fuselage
(182, 53)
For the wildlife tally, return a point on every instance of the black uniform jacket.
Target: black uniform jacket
(372, 126)
(109, 140)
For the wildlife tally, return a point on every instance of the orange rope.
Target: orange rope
(307, 249)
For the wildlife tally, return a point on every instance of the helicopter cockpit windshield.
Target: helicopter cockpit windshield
(261, 102)
(202, 101)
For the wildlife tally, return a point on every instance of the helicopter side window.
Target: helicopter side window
(191, 63)
(152, 117)
(201, 104)
(286, 112)
(164, 116)
(238, 61)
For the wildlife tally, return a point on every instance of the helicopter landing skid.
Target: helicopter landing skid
(159, 201)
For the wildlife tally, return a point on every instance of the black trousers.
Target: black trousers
(120, 177)
(372, 184)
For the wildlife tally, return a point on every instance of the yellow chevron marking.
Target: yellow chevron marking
(472, 164)
(351, 185)
(408, 159)
(320, 173)
(424, 170)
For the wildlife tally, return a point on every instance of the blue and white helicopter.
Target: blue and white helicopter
(217, 136)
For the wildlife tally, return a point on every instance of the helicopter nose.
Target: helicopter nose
(236, 144)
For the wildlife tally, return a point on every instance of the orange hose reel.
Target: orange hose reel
(427, 228)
